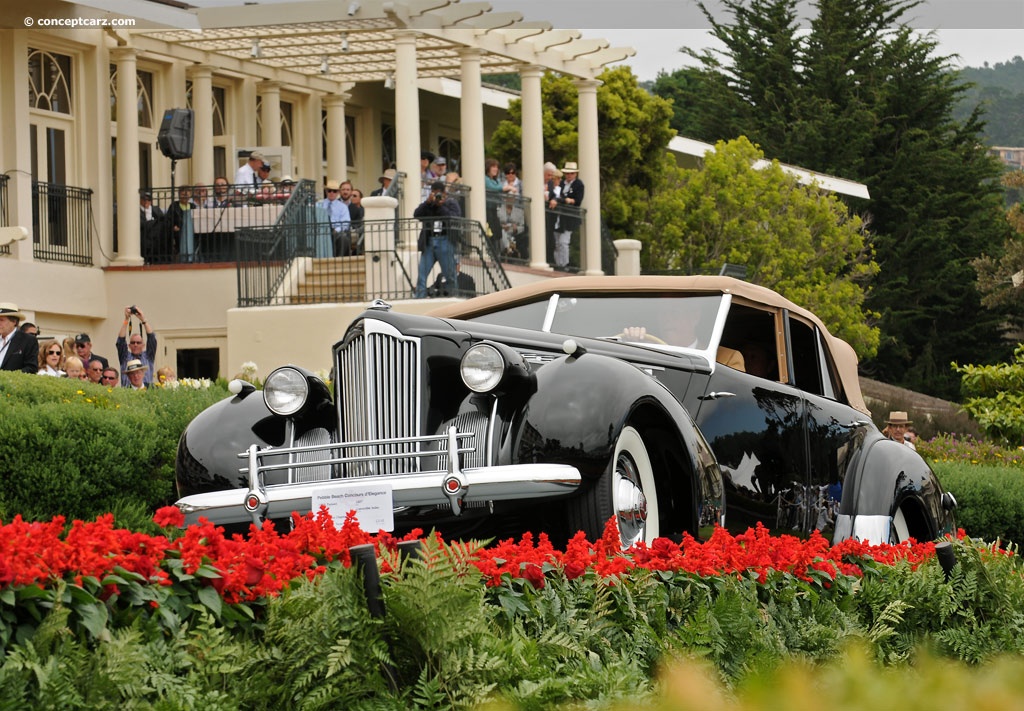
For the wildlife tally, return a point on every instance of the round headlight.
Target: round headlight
(482, 368)
(285, 391)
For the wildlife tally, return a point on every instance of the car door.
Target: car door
(755, 423)
(834, 429)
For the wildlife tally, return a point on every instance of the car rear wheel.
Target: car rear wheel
(626, 491)
(899, 531)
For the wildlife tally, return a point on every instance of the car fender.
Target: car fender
(887, 476)
(578, 411)
(207, 458)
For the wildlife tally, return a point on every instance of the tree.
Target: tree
(633, 129)
(860, 94)
(796, 239)
(1001, 277)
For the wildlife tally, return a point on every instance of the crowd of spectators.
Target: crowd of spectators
(22, 349)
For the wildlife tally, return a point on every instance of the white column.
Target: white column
(202, 111)
(472, 114)
(533, 163)
(15, 145)
(270, 113)
(129, 252)
(407, 119)
(337, 142)
(590, 174)
(628, 261)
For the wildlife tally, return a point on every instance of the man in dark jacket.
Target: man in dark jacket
(439, 236)
(568, 201)
(18, 350)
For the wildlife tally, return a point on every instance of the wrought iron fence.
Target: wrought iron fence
(295, 264)
(62, 223)
(199, 223)
(4, 214)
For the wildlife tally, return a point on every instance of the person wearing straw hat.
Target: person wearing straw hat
(569, 199)
(136, 372)
(896, 428)
(18, 350)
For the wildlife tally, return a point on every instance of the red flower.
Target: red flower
(169, 517)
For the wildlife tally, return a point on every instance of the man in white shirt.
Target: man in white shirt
(248, 174)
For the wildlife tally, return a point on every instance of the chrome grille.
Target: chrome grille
(378, 398)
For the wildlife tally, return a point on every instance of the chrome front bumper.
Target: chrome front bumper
(450, 486)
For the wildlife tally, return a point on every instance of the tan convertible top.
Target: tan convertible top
(842, 352)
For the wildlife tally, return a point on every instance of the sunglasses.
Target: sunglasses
(331, 191)
(135, 343)
(109, 377)
(81, 345)
(53, 352)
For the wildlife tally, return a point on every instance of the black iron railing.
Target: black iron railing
(62, 223)
(4, 210)
(192, 224)
(296, 265)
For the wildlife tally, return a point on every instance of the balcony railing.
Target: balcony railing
(206, 230)
(295, 265)
(4, 210)
(62, 223)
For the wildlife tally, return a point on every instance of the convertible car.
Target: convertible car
(670, 403)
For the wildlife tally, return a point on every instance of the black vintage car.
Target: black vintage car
(671, 403)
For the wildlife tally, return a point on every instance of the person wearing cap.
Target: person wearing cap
(896, 428)
(18, 350)
(388, 185)
(285, 188)
(247, 177)
(437, 243)
(83, 348)
(135, 372)
(263, 171)
(569, 200)
(338, 217)
(132, 348)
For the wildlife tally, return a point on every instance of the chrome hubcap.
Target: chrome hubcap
(630, 502)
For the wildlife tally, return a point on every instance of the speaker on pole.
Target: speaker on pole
(175, 136)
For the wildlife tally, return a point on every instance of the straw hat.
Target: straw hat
(134, 365)
(898, 417)
(10, 310)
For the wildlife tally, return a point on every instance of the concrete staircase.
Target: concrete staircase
(332, 279)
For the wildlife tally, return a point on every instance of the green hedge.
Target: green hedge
(81, 450)
(990, 498)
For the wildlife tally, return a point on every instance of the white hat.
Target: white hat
(10, 310)
(570, 167)
(134, 365)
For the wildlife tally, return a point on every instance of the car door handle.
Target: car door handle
(716, 395)
(855, 424)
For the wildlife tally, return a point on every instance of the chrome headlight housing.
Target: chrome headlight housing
(490, 367)
(285, 391)
(482, 368)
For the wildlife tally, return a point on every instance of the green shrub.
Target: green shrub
(990, 498)
(80, 450)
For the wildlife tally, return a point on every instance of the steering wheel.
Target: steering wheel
(647, 338)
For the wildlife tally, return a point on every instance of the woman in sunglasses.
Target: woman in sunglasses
(51, 359)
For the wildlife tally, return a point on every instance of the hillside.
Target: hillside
(999, 89)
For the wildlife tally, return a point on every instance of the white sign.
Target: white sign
(373, 503)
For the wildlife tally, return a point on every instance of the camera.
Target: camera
(134, 310)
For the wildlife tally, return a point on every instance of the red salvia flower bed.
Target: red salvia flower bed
(267, 561)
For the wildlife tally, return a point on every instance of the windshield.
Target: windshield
(686, 321)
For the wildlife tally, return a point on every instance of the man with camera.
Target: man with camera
(438, 238)
(132, 348)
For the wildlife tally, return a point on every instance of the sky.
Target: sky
(658, 50)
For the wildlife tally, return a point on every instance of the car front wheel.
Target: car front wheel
(626, 491)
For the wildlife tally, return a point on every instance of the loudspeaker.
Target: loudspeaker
(175, 137)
